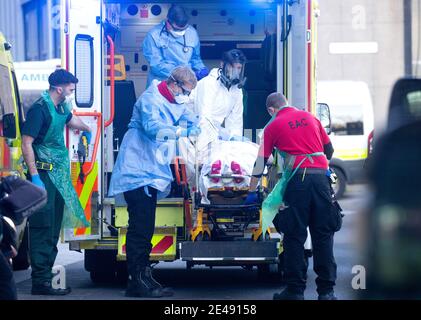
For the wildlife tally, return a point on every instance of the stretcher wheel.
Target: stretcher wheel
(248, 267)
(203, 236)
(267, 236)
(272, 272)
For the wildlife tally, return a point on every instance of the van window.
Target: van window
(6, 99)
(347, 120)
(84, 70)
(414, 103)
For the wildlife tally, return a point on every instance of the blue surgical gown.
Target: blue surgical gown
(149, 146)
(165, 52)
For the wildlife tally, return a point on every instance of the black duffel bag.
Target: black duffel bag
(20, 198)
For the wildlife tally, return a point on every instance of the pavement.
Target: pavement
(221, 283)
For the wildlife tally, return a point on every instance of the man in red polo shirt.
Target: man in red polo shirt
(307, 196)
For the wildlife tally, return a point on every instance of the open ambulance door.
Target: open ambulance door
(297, 53)
(81, 55)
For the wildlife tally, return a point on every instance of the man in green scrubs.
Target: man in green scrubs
(47, 158)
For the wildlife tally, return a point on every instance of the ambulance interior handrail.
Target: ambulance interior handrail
(112, 81)
(97, 136)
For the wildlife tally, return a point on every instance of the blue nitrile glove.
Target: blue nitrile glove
(193, 131)
(88, 136)
(36, 180)
(183, 133)
(223, 134)
(251, 198)
(202, 73)
(239, 138)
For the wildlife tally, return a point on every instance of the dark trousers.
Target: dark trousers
(44, 233)
(7, 283)
(141, 206)
(309, 205)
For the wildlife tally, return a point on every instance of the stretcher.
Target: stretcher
(222, 230)
(223, 179)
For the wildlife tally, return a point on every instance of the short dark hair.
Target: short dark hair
(60, 77)
(276, 100)
(178, 15)
(234, 56)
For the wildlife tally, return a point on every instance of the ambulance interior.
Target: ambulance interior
(246, 25)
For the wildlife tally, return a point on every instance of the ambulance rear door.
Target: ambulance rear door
(81, 55)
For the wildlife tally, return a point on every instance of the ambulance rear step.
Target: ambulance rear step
(230, 252)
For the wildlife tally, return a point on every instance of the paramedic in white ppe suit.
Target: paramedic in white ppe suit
(142, 170)
(218, 100)
(173, 43)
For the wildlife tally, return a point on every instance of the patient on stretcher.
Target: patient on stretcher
(226, 164)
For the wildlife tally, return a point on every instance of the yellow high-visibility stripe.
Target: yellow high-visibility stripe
(351, 154)
(86, 190)
(88, 186)
(157, 239)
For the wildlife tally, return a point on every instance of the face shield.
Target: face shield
(232, 74)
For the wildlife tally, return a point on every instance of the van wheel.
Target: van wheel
(21, 261)
(102, 277)
(102, 265)
(340, 186)
(271, 273)
(122, 274)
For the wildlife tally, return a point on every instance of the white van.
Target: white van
(352, 118)
(32, 78)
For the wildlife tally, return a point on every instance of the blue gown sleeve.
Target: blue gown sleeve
(188, 117)
(153, 124)
(196, 62)
(159, 67)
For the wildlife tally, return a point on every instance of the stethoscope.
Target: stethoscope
(185, 48)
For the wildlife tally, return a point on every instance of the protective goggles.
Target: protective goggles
(179, 84)
(176, 28)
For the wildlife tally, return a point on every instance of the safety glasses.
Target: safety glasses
(185, 91)
(176, 28)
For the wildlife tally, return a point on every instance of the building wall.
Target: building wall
(416, 37)
(363, 21)
(32, 27)
(340, 21)
(11, 25)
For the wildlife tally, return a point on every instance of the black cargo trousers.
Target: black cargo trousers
(310, 204)
(141, 205)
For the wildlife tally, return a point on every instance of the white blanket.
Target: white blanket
(243, 153)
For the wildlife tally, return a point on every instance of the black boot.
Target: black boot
(328, 296)
(138, 286)
(287, 295)
(46, 289)
(151, 281)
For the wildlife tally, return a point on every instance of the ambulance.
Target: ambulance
(102, 46)
(11, 116)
